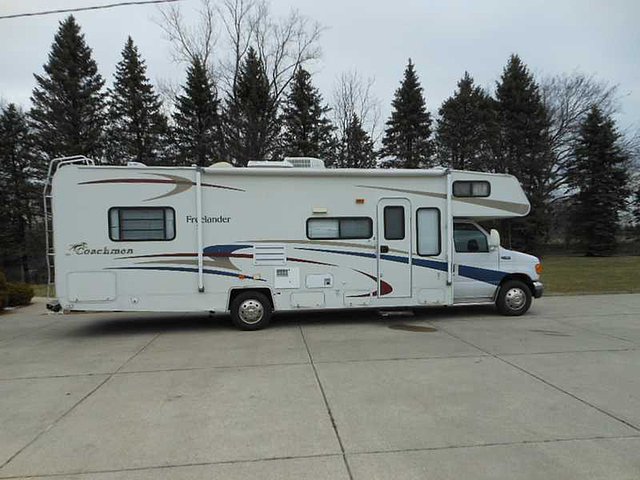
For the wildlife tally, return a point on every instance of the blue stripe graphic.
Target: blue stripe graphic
(494, 277)
(224, 249)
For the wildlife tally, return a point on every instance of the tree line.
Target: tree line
(558, 138)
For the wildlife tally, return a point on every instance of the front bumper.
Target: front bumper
(538, 289)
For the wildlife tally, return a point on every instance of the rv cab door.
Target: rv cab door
(472, 257)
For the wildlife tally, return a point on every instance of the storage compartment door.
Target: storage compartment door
(91, 286)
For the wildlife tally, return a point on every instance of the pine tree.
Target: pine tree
(68, 115)
(600, 177)
(137, 127)
(307, 132)
(523, 149)
(198, 129)
(355, 149)
(251, 120)
(20, 173)
(635, 209)
(407, 136)
(466, 127)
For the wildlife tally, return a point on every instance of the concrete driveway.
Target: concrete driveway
(466, 394)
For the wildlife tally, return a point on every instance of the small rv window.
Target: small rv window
(471, 189)
(339, 228)
(428, 231)
(393, 223)
(134, 224)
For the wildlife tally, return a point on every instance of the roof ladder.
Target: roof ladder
(47, 198)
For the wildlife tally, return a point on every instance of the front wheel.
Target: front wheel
(514, 298)
(251, 311)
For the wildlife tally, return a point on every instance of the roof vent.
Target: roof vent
(269, 164)
(305, 162)
(135, 164)
(221, 165)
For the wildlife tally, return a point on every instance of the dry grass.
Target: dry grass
(41, 291)
(575, 275)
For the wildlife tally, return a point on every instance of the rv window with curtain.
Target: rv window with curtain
(351, 228)
(136, 224)
(393, 223)
(471, 189)
(428, 231)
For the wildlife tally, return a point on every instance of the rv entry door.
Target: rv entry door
(394, 247)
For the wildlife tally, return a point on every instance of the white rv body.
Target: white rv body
(308, 238)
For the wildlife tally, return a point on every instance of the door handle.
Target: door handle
(384, 249)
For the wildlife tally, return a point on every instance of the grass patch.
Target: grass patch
(563, 275)
(41, 290)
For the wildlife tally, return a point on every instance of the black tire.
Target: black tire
(251, 311)
(514, 298)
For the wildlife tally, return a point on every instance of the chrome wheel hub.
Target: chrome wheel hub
(515, 298)
(251, 311)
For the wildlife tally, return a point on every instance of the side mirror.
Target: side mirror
(494, 239)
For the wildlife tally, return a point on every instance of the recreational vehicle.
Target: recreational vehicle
(281, 236)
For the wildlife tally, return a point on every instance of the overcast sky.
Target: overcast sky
(375, 37)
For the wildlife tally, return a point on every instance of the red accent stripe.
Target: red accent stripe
(153, 180)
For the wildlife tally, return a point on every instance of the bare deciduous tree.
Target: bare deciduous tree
(190, 42)
(354, 95)
(282, 43)
(568, 99)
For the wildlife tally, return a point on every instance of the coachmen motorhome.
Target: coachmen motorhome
(281, 236)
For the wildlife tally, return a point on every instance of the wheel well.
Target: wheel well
(237, 291)
(522, 277)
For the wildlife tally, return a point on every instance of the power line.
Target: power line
(80, 9)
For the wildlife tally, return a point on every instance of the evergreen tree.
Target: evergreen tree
(466, 127)
(407, 136)
(251, 120)
(600, 177)
(523, 150)
(68, 102)
(198, 130)
(137, 128)
(307, 132)
(355, 149)
(635, 209)
(20, 173)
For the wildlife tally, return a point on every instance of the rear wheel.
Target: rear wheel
(251, 311)
(514, 298)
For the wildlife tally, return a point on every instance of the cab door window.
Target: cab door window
(469, 239)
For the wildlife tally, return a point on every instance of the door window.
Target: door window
(469, 239)
(393, 223)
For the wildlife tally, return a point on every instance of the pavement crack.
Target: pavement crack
(497, 444)
(546, 382)
(176, 465)
(326, 404)
(76, 404)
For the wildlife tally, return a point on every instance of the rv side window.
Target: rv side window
(134, 224)
(471, 189)
(428, 231)
(352, 228)
(468, 239)
(393, 223)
